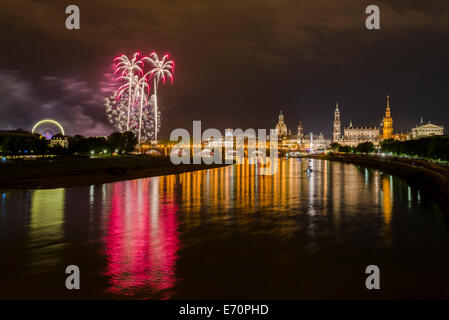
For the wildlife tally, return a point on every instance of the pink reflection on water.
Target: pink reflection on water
(141, 239)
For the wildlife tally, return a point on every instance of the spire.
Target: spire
(337, 125)
(281, 118)
(387, 122)
(388, 112)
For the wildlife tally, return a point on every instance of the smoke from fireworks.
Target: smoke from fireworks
(139, 122)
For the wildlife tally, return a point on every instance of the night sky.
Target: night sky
(238, 62)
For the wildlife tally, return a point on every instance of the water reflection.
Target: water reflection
(148, 238)
(46, 229)
(47, 209)
(387, 201)
(141, 240)
(335, 188)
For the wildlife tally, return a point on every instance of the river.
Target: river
(228, 233)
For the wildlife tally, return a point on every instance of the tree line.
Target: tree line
(364, 147)
(34, 144)
(436, 147)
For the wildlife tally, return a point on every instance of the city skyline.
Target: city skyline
(255, 150)
(328, 131)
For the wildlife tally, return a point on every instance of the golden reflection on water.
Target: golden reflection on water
(387, 201)
(241, 187)
(387, 207)
(140, 220)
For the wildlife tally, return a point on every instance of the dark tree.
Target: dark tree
(335, 146)
(345, 149)
(436, 147)
(365, 147)
(129, 141)
(116, 141)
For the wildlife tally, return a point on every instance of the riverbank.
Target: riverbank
(65, 172)
(431, 176)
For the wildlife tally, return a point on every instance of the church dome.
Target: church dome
(281, 128)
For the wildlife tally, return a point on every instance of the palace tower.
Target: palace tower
(387, 121)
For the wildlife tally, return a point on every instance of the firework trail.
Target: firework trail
(162, 68)
(132, 107)
(128, 68)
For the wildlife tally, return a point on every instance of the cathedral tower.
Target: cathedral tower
(300, 130)
(387, 132)
(300, 135)
(337, 125)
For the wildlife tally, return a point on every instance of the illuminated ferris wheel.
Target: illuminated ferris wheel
(48, 128)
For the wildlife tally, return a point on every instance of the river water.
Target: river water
(228, 233)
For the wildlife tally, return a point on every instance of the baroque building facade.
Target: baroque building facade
(300, 141)
(353, 135)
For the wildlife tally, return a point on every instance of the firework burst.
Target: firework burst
(132, 107)
(162, 68)
(128, 68)
(141, 118)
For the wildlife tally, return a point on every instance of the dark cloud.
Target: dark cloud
(76, 106)
(238, 62)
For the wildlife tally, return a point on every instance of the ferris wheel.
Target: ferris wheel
(48, 128)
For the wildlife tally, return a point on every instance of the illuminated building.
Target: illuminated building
(314, 143)
(427, 130)
(387, 123)
(337, 125)
(226, 141)
(300, 134)
(59, 141)
(354, 135)
(300, 141)
(402, 136)
(281, 128)
(290, 140)
(320, 143)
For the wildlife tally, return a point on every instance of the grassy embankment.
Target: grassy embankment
(73, 171)
(431, 176)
